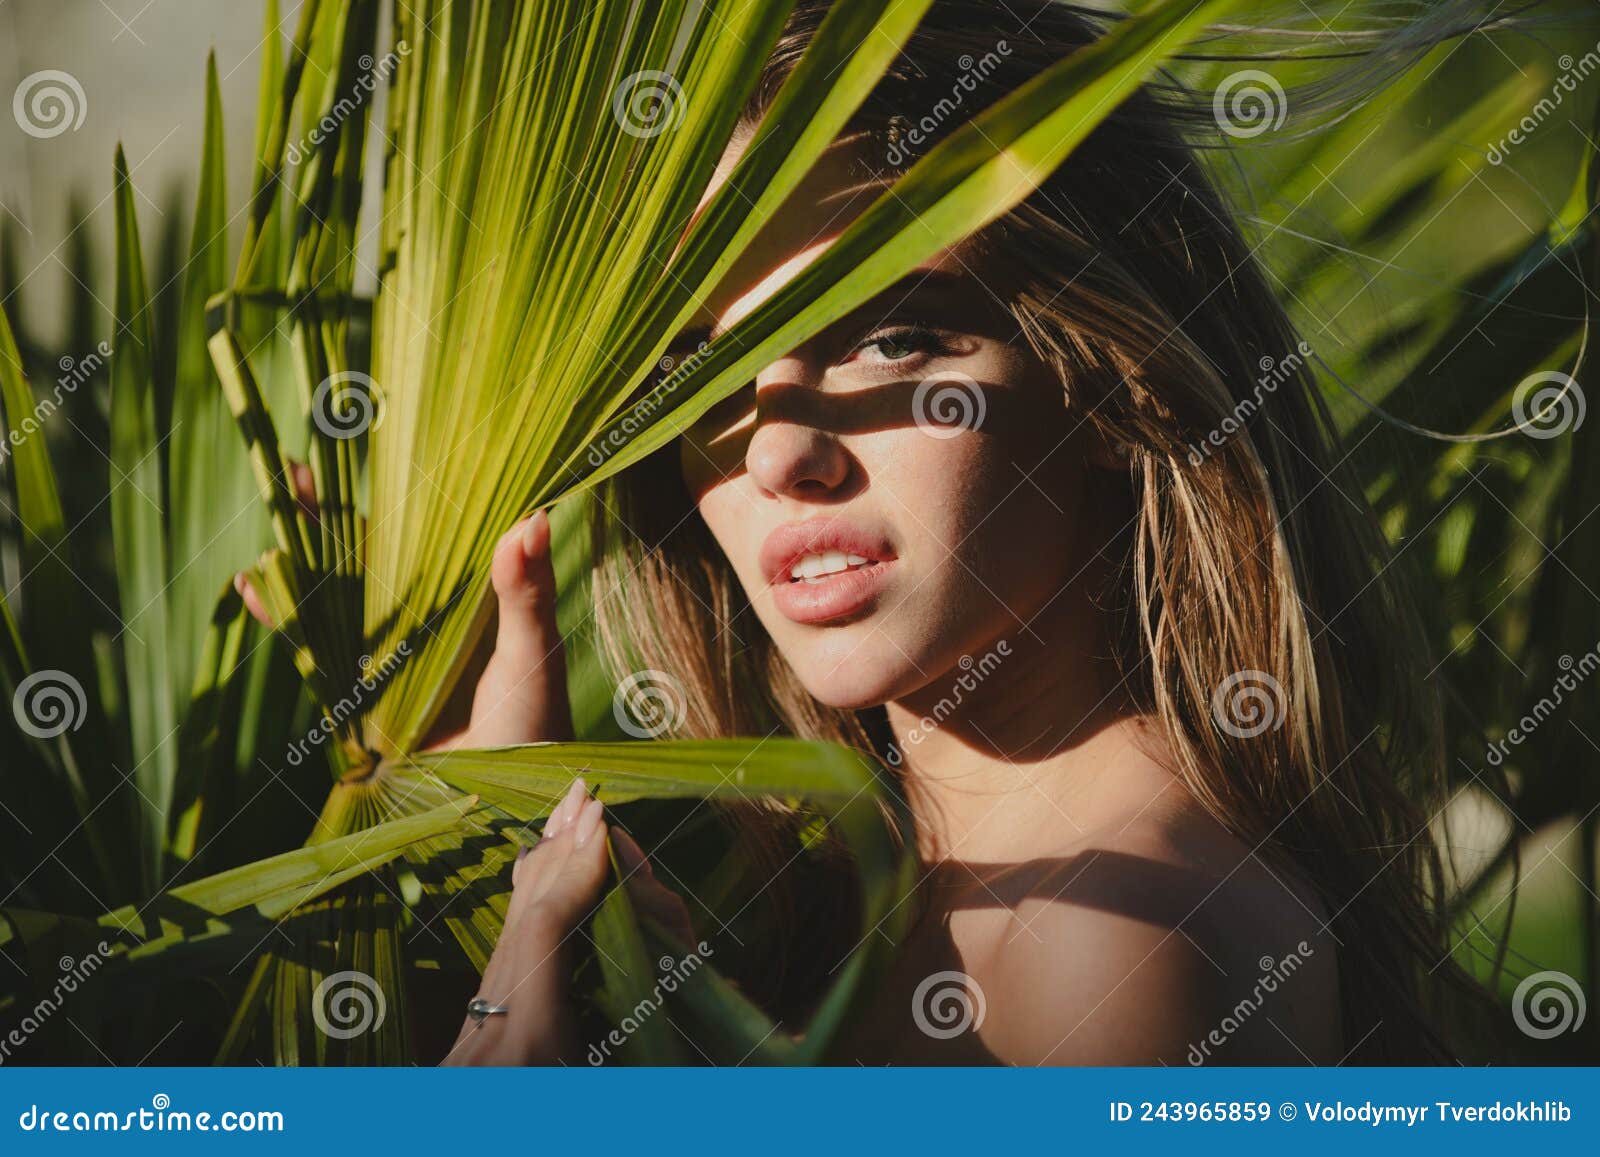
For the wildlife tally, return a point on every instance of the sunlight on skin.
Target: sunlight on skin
(1055, 841)
(977, 537)
(992, 532)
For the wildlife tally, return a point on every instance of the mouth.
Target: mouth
(826, 570)
(816, 568)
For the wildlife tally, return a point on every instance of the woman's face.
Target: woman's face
(900, 491)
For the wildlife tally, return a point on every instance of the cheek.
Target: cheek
(729, 514)
(995, 506)
(989, 524)
(994, 521)
(984, 551)
(710, 461)
(994, 524)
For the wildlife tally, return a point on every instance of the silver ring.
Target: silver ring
(481, 1010)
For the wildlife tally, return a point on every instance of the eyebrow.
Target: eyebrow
(916, 283)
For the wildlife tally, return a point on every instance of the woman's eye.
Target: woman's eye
(901, 344)
(895, 347)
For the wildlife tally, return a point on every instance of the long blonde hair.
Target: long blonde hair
(1252, 567)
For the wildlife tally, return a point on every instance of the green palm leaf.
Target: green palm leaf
(500, 229)
(539, 251)
(138, 516)
(841, 785)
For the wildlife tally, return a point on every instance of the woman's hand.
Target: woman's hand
(554, 885)
(521, 694)
(521, 697)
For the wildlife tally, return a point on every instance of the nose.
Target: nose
(789, 453)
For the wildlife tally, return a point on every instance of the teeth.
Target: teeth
(815, 567)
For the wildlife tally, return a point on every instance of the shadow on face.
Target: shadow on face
(901, 489)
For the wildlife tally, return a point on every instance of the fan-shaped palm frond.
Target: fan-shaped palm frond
(539, 247)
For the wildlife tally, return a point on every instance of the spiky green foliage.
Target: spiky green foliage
(516, 198)
(1438, 279)
(532, 267)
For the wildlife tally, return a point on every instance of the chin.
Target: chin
(851, 670)
(841, 696)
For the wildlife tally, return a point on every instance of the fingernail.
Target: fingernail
(562, 815)
(530, 531)
(239, 581)
(589, 822)
(572, 806)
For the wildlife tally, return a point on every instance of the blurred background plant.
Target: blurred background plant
(1437, 252)
(1436, 248)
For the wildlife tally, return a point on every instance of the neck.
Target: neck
(1025, 745)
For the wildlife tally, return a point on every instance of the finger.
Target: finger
(524, 580)
(588, 823)
(650, 897)
(557, 823)
(629, 854)
(522, 696)
(565, 875)
(653, 900)
(534, 865)
(585, 869)
(534, 874)
(565, 812)
(305, 490)
(252, 601)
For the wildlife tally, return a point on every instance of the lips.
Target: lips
(843, 569)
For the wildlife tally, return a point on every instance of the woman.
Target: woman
(1030, 526)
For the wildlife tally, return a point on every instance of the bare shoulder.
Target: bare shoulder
(1166, 942)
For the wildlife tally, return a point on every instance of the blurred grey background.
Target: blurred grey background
(141, 67)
